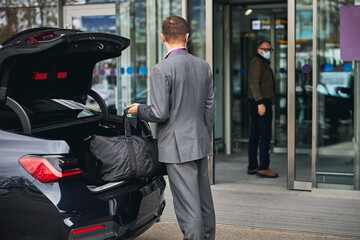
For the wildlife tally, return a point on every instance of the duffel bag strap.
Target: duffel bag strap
(130, 146)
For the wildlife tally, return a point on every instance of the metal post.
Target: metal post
(314, 98)
(272, 64)
(151, 53)
(291, 93)
(227, 81)
(209, 17)
(61, 13)
(185, 9)
(357, 126)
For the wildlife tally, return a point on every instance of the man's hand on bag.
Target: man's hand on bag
(133, 109)
(261, 109)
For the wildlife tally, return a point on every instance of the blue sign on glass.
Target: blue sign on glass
(130, 70)
(347, 67)
(144, 70)
(329, 68)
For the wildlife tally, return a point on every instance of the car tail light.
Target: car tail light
(40, 76)
(34, 40)
(85, 230)
(61, 75)
(51, 168)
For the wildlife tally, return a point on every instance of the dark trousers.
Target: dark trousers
(260, 133)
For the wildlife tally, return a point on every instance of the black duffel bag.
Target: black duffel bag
(129, 156)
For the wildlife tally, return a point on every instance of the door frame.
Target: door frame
(292, 183)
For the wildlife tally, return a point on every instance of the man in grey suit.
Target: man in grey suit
(182, 103)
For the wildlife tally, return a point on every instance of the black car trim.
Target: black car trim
(19, 110)
(102, 105)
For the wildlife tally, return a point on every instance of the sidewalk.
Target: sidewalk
(168, 230)
(248, 207)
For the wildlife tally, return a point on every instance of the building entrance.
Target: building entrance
(315, 115)
(247, 25)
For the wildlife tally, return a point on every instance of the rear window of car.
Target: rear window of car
(44, 112)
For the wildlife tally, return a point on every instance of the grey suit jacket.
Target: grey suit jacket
(182, 103)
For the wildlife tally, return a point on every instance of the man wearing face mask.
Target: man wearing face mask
(261, 98)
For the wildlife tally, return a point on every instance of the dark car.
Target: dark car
(49, 182)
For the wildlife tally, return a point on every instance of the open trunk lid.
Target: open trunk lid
(54, 63)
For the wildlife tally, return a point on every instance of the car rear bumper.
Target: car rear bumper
(113, 230)
(127, 221)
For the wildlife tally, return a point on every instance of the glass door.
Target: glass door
(280, 71)
(322, 93)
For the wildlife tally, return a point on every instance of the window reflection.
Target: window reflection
(87, 1)
(196, 16)
(303, 89)
(134, 18)
(16, 16)
(165, 8)
(303, 75)
(335, 96)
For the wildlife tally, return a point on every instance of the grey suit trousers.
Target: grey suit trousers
(194, 209)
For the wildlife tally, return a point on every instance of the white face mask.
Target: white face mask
(267, 55)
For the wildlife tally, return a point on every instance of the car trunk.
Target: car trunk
(50, 63)
(78, 135)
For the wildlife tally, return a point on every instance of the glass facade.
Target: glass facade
(196, 19)
(132, 70)
(219, 75)
(140, 21)
(326, 90)
(335, 102)
(325, 93)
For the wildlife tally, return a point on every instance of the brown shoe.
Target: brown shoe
(267, 173)
(253, 171)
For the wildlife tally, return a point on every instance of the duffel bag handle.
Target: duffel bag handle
(127, 128)
(141, 126)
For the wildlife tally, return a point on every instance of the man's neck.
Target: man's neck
(170, 47)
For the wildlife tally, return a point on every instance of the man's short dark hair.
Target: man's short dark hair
(263, 41)
(175, 28)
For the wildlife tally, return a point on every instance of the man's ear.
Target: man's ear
(163, 37)
(259, 51)
(186, 37)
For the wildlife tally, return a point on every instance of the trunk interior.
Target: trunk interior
(78, 137)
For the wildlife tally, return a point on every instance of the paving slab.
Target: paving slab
(168, 230)
(249, 207)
